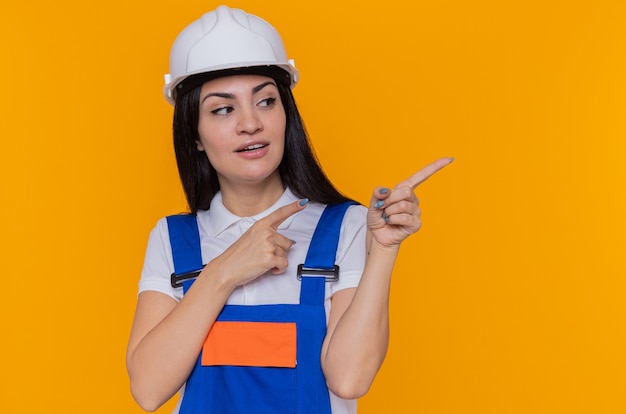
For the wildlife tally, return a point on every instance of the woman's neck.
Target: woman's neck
(249, 200)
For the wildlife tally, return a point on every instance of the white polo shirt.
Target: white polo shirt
(219, 228)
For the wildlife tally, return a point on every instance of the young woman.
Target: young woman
(271, 296)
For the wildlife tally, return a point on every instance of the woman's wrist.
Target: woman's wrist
(218, 280)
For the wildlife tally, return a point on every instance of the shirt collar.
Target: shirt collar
(219, 218)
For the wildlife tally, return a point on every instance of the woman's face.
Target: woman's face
(242, 128)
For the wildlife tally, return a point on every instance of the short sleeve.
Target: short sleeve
(158, 264)
(351, 250)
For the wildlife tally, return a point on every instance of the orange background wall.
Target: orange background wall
(511, 299)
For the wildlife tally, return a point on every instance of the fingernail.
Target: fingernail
(303, 202)
(379, 204)
(383, 190)
(451, 159)
(385, 217)
(292, 242)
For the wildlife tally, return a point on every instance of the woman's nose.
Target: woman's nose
(249, 122)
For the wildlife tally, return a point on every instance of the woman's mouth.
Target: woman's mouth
(252, 147)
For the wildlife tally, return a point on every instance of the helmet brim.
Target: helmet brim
(271, 71)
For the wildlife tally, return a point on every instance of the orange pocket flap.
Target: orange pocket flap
(253, 344)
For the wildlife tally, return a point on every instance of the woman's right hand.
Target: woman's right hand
(258, 250)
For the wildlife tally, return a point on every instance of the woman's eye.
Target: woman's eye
(222, 111)
(267, 102)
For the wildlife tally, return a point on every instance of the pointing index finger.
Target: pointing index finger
(421, 176)
(281, 214)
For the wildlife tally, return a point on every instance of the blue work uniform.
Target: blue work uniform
(228, 376)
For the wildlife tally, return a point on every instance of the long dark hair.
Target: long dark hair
(299, 168)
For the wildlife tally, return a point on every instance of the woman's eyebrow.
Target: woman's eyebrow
(225, 95)
(219, 95)
(261, 86)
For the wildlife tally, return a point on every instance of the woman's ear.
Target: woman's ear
(199, 146)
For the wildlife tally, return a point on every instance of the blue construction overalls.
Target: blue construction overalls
(292, 385)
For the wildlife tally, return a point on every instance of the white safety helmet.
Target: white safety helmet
(226, 39)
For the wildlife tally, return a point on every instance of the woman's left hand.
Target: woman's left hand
(394, 214)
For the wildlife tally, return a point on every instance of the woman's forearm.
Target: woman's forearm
(167, 338)
(355, 348)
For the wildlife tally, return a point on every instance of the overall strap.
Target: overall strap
(185, 242)
(320, 258)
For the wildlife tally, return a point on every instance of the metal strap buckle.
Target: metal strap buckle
(177, 280)
(331, 275)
